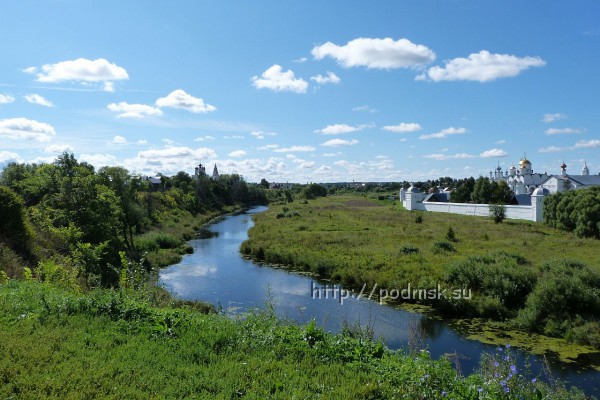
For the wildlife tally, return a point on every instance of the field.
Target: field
(520, 271)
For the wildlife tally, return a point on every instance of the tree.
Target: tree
(463, 191)
(482, 191)
(14, 230)
(264, 183)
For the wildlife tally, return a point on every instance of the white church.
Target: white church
(525, 181)
(529, 190)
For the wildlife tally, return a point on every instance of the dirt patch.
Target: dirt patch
(360, 203)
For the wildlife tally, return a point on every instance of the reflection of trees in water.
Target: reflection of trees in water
(430, 327)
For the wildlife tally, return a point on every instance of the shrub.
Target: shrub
(566, 297)
(450, 235)
(498, 212)
(409, 250)
(443, 246)
(419, 219)
(501, 283)
(14, 229)
(280, 215)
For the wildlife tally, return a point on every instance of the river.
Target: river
(216, 273)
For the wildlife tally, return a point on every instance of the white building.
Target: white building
(529, 188)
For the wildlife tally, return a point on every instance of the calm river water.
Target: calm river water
(218, 274)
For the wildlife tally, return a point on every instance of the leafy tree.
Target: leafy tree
(14, 229)
(264, 183)
(482, 191)
(462, 194)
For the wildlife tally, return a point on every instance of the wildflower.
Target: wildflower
(496, 364)
(444, 393)
(507, 345)
(534, 380)
(513, 369)
(480, 389)
(506, 389)
(500, 349)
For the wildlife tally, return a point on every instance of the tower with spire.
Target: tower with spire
(215, 174)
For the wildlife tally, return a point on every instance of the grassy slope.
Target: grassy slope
(356, 239)
(109, 344)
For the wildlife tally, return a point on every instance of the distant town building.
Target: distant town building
(215, 174)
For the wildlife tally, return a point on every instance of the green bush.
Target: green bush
(565, 299)
(153, 241)
(14, 230)
(498, 212)
(409, 249)
(501, 282)
(443, 246)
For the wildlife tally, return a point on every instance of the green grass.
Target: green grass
(120, 345)
(165, 242)
(356, 240)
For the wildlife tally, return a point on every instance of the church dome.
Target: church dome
(524, 162)
(540, 192)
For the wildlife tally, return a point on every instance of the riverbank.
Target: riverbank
(517, 270)
(165, 242)
(118, 344)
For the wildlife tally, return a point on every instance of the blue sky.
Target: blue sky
(303, 91)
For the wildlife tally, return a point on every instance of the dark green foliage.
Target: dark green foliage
(497, 212)
(312, 191)
(408, 249)
(565, 301)
(443, 246)
(450, 235)
(419, 218)
(577, 211)
(462, 193)
(500, 284)
(14, 230)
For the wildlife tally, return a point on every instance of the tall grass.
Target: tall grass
(115, 344)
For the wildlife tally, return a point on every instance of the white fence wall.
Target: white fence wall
(482, 210)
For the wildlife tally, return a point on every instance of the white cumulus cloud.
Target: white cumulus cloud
(481, 67)
(337, 129)
(403, 127)
(294, 149)
(180, 99)
(23, 128)
(323, 80)
(339, 142)
(493, 153)
(127, 110)
(9, 156)
(81, 70)
(444, 133)
(376, 53)
(35, 98)
(277, 80)
(237, 153)
(6, 98)
(119, 140)
(59, 148)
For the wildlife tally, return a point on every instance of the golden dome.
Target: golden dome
(524, 161)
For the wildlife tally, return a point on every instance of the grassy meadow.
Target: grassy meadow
(126, 344)
(538, 279)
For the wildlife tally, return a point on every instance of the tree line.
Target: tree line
(86, 217)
